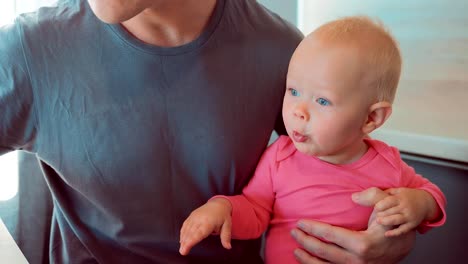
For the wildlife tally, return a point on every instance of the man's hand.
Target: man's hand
(347, 246)
(214, 217)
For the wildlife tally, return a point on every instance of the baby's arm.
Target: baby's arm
(406, 208)
(249, 211)
(214, 217)
(417, 201)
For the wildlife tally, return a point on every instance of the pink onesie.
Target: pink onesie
(289, 185)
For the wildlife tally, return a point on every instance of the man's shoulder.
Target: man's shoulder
(52, 18)
(263, 22)
(272, 20)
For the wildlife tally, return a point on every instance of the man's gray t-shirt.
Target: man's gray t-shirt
(132, 137)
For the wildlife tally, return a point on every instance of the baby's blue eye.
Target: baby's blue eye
(323, 102)
(294, 92)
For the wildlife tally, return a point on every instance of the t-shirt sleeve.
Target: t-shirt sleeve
(251, 210)
(17, 117)
(413, 180)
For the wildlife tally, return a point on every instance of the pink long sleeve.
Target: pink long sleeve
(411, 179)
(251, 211)
(289, 185)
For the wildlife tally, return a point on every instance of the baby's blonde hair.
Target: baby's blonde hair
(380, 49)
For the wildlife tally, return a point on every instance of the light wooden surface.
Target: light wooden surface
(430, 115)
(9, 251)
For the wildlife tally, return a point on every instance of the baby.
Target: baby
(341, 83)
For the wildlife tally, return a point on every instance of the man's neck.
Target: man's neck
(172, 24)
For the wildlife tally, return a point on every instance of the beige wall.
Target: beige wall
(430, 114)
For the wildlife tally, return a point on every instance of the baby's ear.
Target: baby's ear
(377, 115)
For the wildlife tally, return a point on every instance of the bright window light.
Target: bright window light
(313, 13)
(8, 162)
(8, 176)
(9, 9)
(23, 6)
(7, 12)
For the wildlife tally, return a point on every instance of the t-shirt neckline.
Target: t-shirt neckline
(207, 32)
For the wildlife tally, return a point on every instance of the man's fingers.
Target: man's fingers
(342, 237)
(351, 246)
(312, 244)
(369, 197)
(305, 258)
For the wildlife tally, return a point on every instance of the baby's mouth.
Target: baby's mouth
(298, 137)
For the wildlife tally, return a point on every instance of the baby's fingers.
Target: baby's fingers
(391, 220)
(191, 236)
(226, 234)
(386, 203)
(402, 229)
(389, 211)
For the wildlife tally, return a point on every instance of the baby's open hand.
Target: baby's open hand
(214, 217)
(404, 208)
